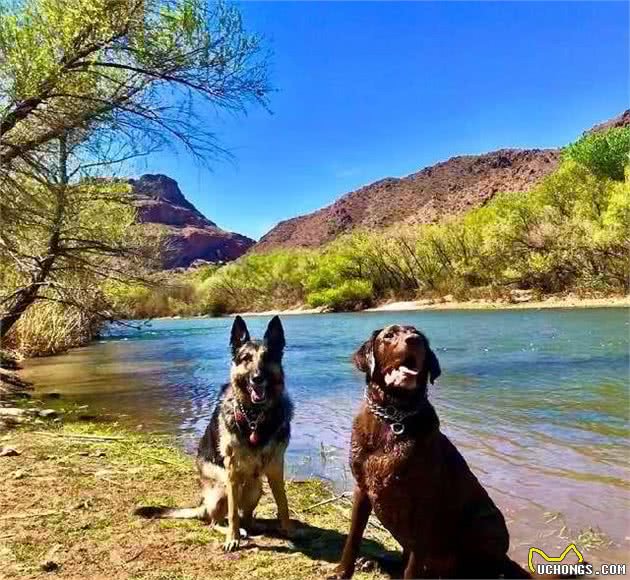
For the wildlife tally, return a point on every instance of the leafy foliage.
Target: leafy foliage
(86, 85)
(346, 295)
(571, 233)
(605, 154)
(130, 73)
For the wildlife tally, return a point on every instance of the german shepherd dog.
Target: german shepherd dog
(246, 438)
(412, 476)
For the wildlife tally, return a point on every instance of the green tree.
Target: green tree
(86, 85)
(134, 67)
(605, 153)
(67, 238)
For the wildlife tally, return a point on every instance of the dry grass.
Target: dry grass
(67, 499)
(48, 328)
(67, 502)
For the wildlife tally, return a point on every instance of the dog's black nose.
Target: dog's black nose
(258, 378)
(412, 339)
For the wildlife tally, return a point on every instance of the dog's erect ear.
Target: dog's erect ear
(274, 337)
(364, 357)
(433, 364)
(239, 335)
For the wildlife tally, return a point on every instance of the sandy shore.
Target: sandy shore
(551, 302)
(408, 305)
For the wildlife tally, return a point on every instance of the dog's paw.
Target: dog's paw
(231, 544)
(233, 539)
(340, 573)
(226, 531)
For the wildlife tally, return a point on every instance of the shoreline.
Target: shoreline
(79, 482)
(442, 304)
(100, 471)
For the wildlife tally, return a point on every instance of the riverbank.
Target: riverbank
(68, 496)
(502, 400)
(551, 302)
(69, 491)
(447, 303)
(12, 385)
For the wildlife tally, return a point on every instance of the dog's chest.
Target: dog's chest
(382, 469)
(245, 459)
(398, 481)
(253, 461)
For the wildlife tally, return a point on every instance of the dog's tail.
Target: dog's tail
(155, 512)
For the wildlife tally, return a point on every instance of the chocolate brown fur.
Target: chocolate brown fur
(417, 483)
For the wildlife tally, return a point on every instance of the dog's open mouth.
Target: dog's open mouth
(404, 375)
(258, 393)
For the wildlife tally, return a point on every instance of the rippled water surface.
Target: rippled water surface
(537, 401)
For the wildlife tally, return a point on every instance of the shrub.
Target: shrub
(349, 295)
(49, 328)
(571, 232)
(605, 154)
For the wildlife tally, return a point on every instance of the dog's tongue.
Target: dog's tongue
(258, 394)
(400, 376)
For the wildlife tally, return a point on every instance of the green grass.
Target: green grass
(70, 499)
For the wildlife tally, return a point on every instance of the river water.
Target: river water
(537, 401)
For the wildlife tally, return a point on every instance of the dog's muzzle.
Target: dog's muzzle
(258, 391)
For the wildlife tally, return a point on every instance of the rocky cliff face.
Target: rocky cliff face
(434, 193)
(442, 190)
(622, 120)
(189, 235)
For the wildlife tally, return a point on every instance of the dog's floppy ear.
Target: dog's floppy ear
(239, 335)
(432, 364)
(364, 357)
(274, 337)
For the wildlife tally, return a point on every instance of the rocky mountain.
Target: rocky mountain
(442, 190)
(622, 120)
(190, 236)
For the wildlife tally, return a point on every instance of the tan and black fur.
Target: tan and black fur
(413, 477)
(246, 438)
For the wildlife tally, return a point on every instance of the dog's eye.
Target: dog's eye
(388, 335)
(244, 358)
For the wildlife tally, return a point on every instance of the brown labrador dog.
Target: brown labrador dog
(412, 476)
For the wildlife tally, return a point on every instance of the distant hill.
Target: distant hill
(430, 195)
(622, 120)
(190, 235)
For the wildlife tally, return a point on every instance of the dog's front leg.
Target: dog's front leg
(233, 535)
(361, 509)
(275, 477)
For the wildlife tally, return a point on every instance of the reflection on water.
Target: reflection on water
(537, 401)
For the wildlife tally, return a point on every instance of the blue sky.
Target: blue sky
(367, 90)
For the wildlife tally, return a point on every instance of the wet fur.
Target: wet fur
(418, 483)
(230, 466)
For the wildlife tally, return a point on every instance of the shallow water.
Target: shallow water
(537, 401)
